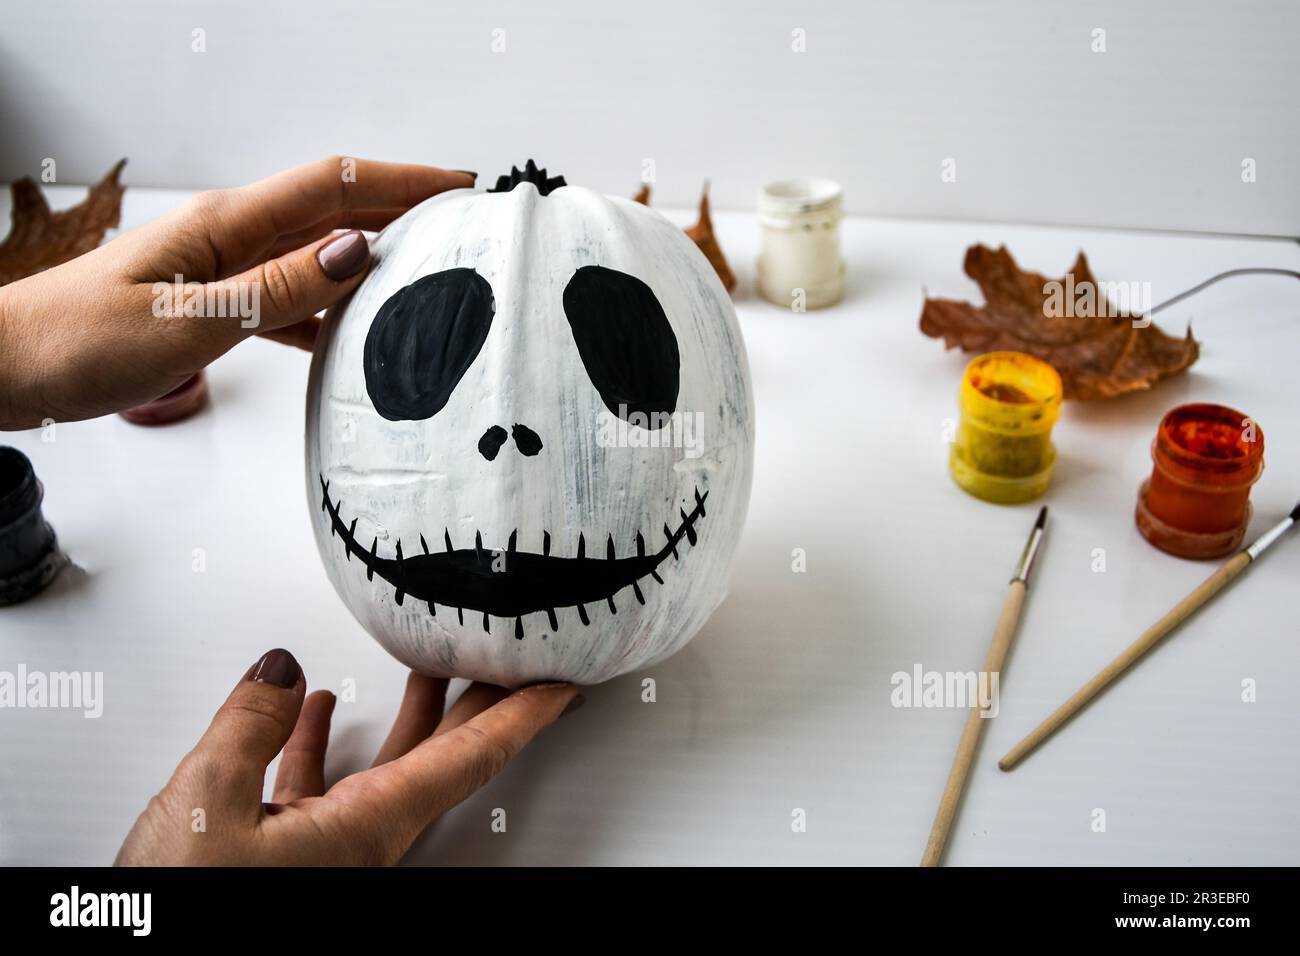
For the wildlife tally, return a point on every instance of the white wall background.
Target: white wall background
(1151, 133)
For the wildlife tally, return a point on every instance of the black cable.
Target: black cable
(1261, 271)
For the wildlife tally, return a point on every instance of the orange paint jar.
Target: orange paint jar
(1196, 504)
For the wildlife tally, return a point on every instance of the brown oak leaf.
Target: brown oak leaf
(1098, 353)
(702, 234)
(41, 239)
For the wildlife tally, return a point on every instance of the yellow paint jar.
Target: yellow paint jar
(1003, 450)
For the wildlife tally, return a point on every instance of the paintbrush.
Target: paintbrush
(1181, 612)
(975, 720)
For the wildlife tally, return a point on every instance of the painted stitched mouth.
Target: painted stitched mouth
(512, 583)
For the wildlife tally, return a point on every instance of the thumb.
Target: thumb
(295, 286)
(253, 725)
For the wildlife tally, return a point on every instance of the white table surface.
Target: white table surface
(783, 700)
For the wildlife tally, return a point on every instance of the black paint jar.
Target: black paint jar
(29, 553)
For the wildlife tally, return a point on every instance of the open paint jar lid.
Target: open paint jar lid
(180, 403)
(789, 203)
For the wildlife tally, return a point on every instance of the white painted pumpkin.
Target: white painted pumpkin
(491, 497)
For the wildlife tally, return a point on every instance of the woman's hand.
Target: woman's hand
(92, 336)
(430, 762)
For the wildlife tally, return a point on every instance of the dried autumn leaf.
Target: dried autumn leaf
(702, 234)
(643, 195)
(41, 239)
(1099, 354)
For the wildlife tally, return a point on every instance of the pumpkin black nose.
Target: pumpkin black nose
(526, 440)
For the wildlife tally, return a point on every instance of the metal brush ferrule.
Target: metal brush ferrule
(1268, 537)
(1031, 549)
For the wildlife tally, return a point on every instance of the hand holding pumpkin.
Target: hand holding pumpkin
(88, 338)
(211, 812)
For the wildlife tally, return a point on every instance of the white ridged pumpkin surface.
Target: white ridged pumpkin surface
(524, 529)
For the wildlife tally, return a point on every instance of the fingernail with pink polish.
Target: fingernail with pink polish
(345, 256)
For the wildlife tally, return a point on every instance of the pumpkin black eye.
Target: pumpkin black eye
(626, 343)
(422, 341)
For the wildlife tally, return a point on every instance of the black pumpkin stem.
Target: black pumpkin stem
(531, 174)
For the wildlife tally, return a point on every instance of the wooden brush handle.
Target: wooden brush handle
(1153, 635)
(970, 735)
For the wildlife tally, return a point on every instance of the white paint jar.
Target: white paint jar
(800, 266)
